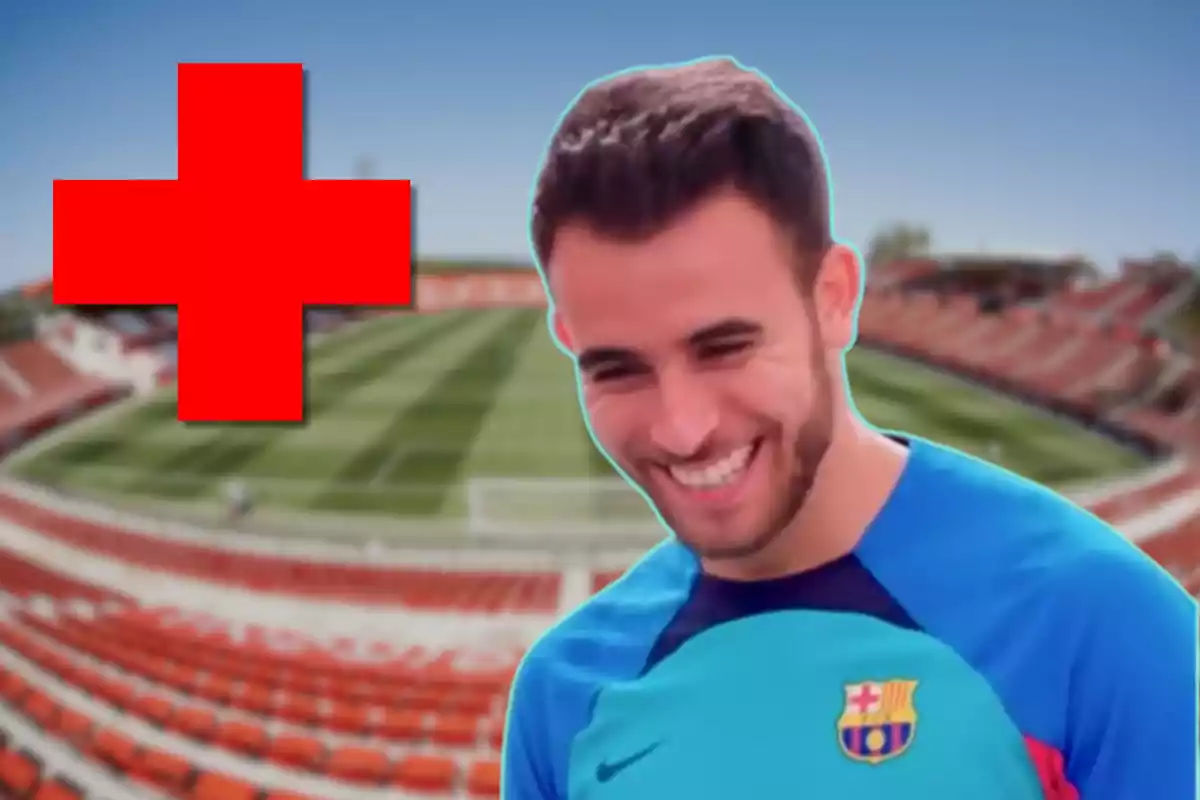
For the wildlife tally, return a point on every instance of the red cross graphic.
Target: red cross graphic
(241, 242)
(864, 698)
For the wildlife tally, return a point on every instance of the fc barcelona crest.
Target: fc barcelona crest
(878, 720)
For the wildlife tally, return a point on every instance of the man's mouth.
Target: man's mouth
(723, 472)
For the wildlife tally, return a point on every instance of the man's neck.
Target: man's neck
(852, 485)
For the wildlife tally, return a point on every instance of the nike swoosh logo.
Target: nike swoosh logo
(606, 771)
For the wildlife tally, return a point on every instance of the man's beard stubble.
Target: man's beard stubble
(808, 451)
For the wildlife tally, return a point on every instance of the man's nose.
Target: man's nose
(686, 416)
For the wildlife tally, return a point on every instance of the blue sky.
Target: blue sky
(1048, 126)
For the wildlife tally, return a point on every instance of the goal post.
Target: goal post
(566, 507)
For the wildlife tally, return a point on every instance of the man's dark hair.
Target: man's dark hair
(639, 149)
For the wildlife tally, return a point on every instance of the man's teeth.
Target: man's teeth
(714, 473)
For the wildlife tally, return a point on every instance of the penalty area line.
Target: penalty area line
(386, 466)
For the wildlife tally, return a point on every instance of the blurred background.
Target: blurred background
(334, 609)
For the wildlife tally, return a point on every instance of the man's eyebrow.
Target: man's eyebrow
(595, 357)
(725, 329)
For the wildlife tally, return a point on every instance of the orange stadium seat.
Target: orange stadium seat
(115, 749)
(359, 764)
(426, 773)
(496, 732)
(402, 725)
(195, 723)
(483, 780)
(165, 770)
(241, 737)
(40, 709)
(214, 687)
(154, 709)
(348, 717)
(600, 580)
(215, 786)
(72, 727)
(57, 789)
(304, 752)
(12, 688)
(255, 698)
(19, 772)
(113, 691)
(455, 729)
(303, 709)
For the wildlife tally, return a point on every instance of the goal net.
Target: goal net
(559, 507)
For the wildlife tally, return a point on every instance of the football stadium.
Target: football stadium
(335, 609)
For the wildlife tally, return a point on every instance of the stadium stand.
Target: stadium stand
(306, 723)
(25, 579)
(900, 272)
(111, 688)
(40, 390)
(414, 588)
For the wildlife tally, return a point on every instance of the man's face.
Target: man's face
(704, 369)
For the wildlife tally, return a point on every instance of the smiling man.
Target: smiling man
(839, 612)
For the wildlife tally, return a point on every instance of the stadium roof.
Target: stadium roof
(40, 288)
(37, 288)
(1029, 261)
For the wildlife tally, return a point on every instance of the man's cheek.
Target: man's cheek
(603, 419)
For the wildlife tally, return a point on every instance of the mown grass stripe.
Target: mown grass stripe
(236, 447)
(338, 343)
(162, 411)
(190, 462)
(598, 465)
(455, 406)
(990, 426)
(334, 386)
(107, 448)
(58, 462)
(532, 425)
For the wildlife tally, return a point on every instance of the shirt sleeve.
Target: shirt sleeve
(525, 771)
(1132, 706)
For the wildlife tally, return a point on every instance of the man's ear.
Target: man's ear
(838, 292)
(559, 332)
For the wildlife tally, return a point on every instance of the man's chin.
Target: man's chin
(721, 543)
(713, 536)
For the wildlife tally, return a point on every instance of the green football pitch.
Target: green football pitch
(405, 411)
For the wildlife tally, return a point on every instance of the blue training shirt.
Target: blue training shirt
(986, 639)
